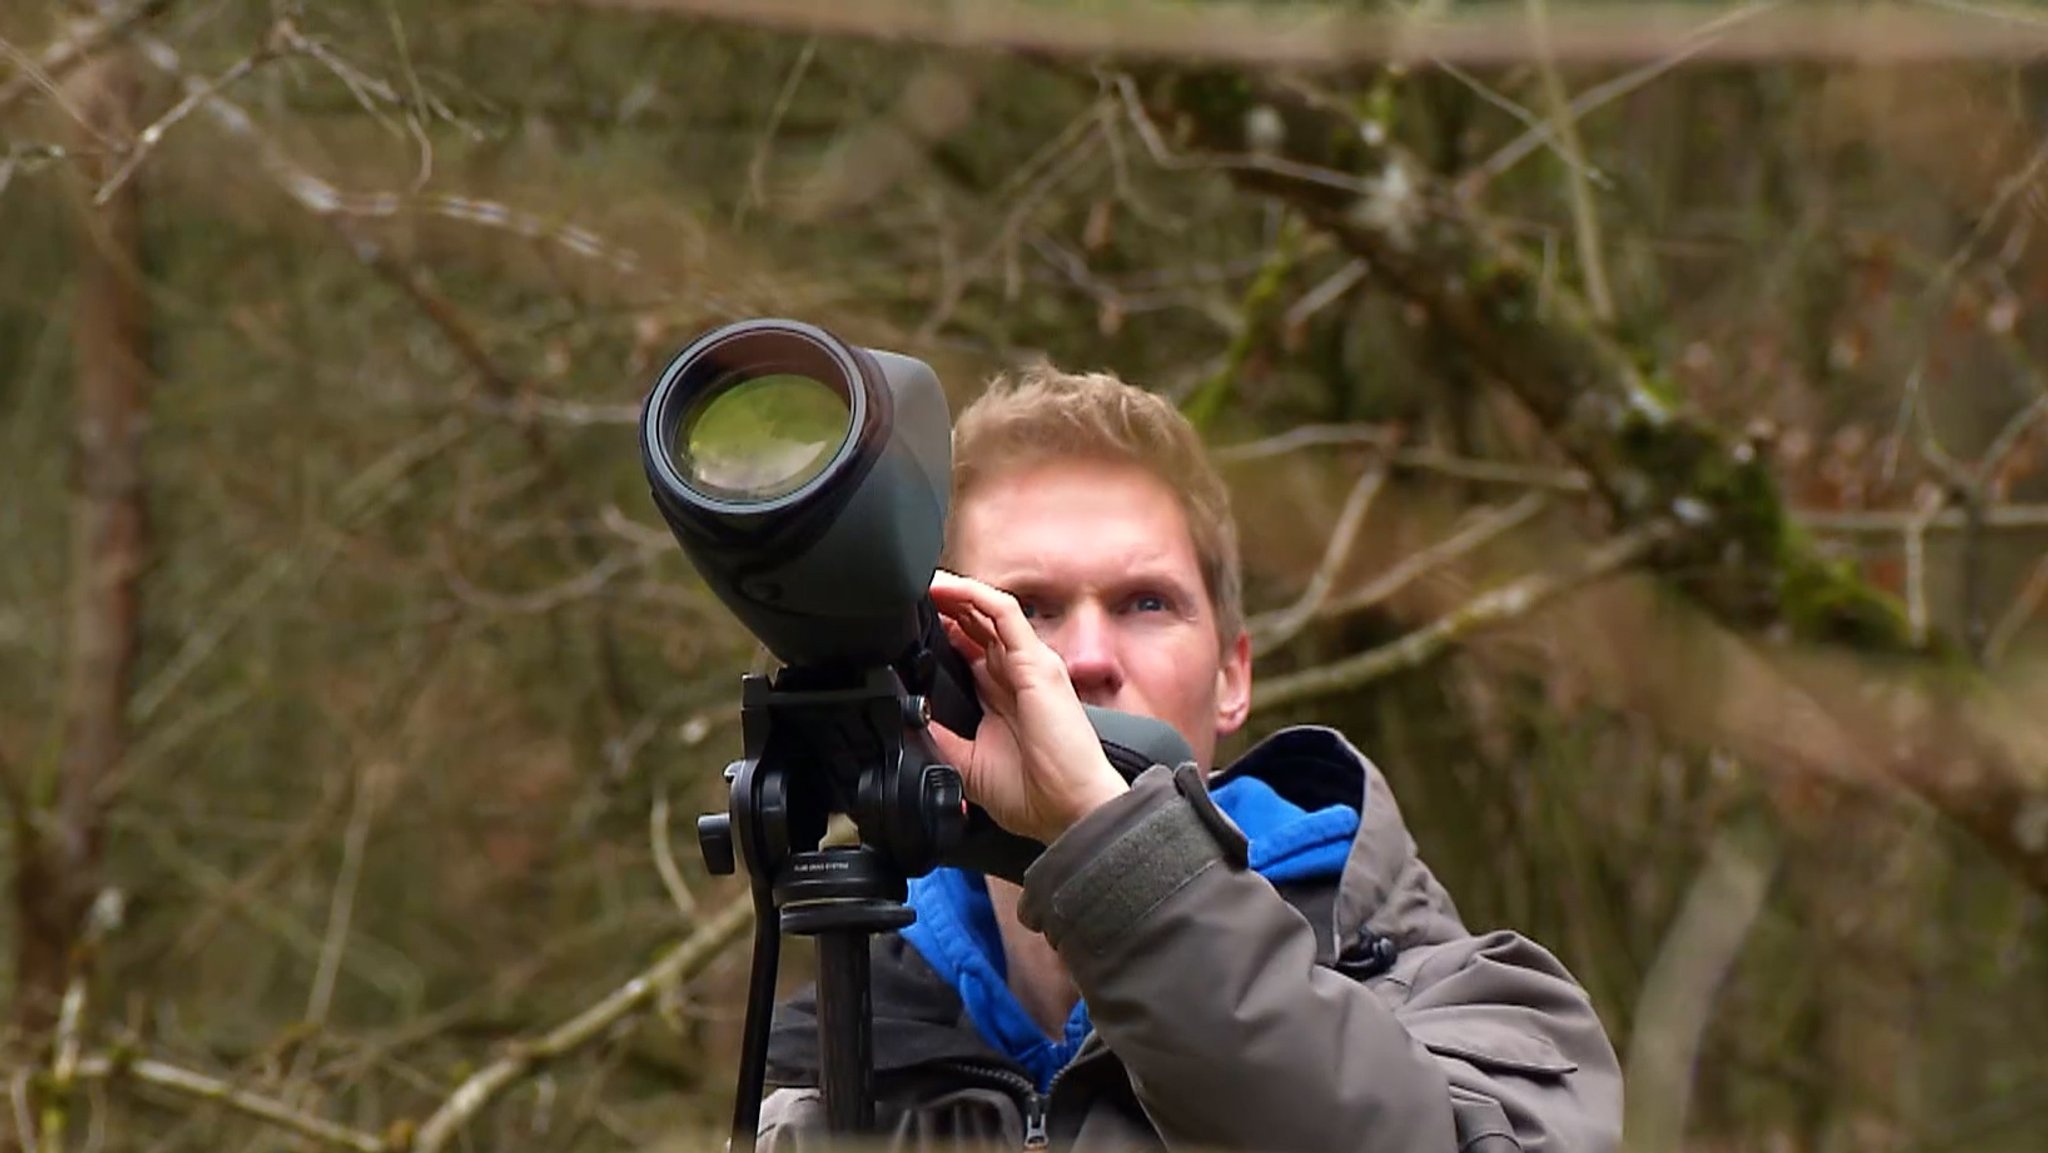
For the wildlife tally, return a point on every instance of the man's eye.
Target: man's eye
(1149, 603)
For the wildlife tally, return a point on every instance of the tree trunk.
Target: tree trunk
(60, 878)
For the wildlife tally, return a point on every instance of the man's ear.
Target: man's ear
(1234, 685)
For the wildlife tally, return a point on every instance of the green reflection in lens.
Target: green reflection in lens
(763, 438)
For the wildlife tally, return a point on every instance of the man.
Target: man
(1252, 959)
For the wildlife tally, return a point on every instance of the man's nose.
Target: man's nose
(1088, 645)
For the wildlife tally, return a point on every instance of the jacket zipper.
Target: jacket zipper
(1034, 1121)
(1037, 1106)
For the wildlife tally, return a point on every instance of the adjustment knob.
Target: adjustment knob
(714, 840)
(945, 806)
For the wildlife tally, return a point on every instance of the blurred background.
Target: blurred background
(1636, 414)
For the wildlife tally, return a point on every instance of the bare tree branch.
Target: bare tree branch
(1330, 36)
(324, 199)
(469, 1099)
(187, 1083)
(146, 140)
(1676, 1004)
(1886, 522)
(1600, 95)
(1649, 459)
(1585, 214)
(665, 857)
(1484, 529)
(88, 35)
(2019, 613)
(1404, 459)
(1280, 626)
(524, 1059)
(1510, 602)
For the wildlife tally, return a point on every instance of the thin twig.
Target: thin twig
(420, 100)
(1490, 471)
(1494, 524)
(1916, 579)
(103, 918)
(1308, 36)
(1306, 436)
(381, 966)
(2008, 190)
(522, 1060)
(665, 858)
(574, 413)
(1536, 127)
(64, 1068)
(1508, 603)
(260, 876)
(369, 786)
(37, 78)
(1971, 592)
(757, 167)
(87, 36)
(1331, 290)
(2009, 437)
(1277, 628)
(582, 586)
(1676, 1005)
(1887, 522)
(1063, 156)
(2018, 613)
(1167, 157)
(24, 1114)
(365, 493)
(322, 198)
(1600, 95)
(1915, 537)
(1408, 459)
(1585, 216)
(146, 141)
(191, 1084)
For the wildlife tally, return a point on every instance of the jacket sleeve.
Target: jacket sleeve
(1205, 982)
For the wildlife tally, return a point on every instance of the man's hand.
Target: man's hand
(1035, 764)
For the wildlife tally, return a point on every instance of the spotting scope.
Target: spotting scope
(807, 479)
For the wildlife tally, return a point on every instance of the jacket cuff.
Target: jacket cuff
(1114, 866)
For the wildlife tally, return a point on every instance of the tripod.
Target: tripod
(817, 744)
(820, 742)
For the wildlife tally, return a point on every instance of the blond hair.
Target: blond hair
(1041, 414)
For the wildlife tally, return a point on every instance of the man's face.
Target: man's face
(1100, 556)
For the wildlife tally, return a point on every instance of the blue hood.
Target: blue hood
(956, 930)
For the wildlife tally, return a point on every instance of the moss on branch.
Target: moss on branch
(1611, 407)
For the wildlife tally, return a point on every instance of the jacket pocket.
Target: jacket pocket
(1494, 1048)
(1495, 1072)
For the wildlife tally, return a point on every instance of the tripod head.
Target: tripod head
(807, 480)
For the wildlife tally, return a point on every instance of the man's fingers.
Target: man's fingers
(967, 646)
(1005, 616)
(970, 622)
(957, 750)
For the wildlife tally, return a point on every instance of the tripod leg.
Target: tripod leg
(746, 1108)
(845, 1031)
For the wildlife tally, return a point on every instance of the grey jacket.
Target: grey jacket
(1230, 1014)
